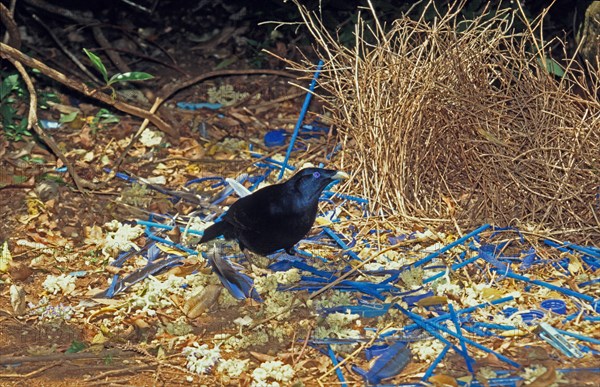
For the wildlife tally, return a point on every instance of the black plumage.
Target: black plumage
(277, 216)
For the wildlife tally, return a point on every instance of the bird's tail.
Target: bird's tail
(215, 230)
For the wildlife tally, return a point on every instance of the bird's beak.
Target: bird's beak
(339, 175)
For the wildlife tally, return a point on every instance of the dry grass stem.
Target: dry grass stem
(456, 119)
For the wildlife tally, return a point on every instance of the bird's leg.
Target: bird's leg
(255, 260)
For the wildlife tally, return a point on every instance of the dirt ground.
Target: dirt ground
(48, 224)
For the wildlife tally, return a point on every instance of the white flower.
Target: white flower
(271, 372)
(427, 350)
(121, 238)
(64, 283)
(233, 367)
(150, 138)
(200, 358)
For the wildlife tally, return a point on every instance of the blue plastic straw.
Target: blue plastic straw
(307, 99)
(457, 242)
(338, 370)
(340, 243)
(470, 309)
(468, 359)
(435, 363)
(578, 336)
(167, 227)
(572, 246)
(169, 243)
(456, 266)
(562, 290)
(431, 328)
(418, 319)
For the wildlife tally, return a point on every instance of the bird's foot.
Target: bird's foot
(255, 260)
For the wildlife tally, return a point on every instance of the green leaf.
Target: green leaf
(76, 346)
(8, 114)
(19, 179)
(8, 85)
(132, 76)
(65, 118)
(226, 62)
(552, 67)
(105, 117)
(97, 62)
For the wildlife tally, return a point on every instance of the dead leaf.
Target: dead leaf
(200, 303)
(442, 380)
(545, 379)
(433, 300)
(17, 299)
(263, 357)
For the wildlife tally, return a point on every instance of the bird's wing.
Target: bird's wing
(256, 211)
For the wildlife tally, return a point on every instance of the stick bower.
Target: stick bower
(445, 118)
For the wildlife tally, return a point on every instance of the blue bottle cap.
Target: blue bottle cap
(275, 138)
(531, 316)
(555, 305)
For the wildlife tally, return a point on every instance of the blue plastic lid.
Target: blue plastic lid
(509, 311)
(275, 138)
(529, 317)
(555, 305)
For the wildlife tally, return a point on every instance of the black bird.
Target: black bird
(277, 216)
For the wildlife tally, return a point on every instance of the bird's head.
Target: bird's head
(312, 181)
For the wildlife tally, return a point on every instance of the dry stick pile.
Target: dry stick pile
(462, 119)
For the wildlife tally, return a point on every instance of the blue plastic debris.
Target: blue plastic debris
(567, 292)
(389, 364)
(275, 138)
(436, 362)
(530, 317)
(489, 253)
(197, 106)
(555, 306)
(47, 124)
(375, 350)
(433, 328)
(336, 364)
(303, 111)
(450, 246)
(468, 359)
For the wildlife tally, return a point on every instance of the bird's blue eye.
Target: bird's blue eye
(316, 175)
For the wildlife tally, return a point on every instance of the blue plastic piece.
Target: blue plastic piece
(532, 316)
(389, 364)
(375, 350)
(338, 370)
(450, 246)
(555, 305)
(303, 111)
(275, 138)
(197, 106)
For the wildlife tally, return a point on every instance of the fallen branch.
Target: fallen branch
(64, 356)
(14, 38)
(32, 122)
(9, 52)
